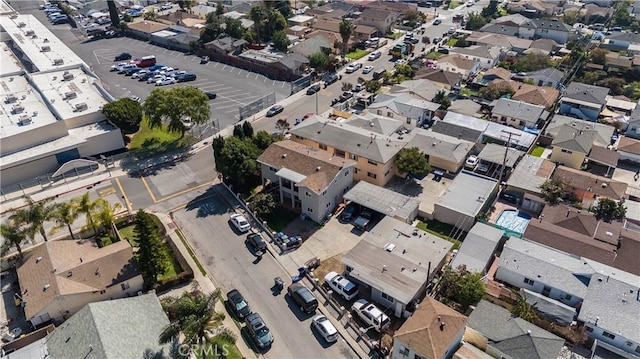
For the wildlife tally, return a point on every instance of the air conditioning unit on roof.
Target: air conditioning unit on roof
(67, 76)
(80, 107)
(25, 120)
(11, 98)
(58, 61)
(17, 108)
(45, 48)
(21, 24)
(30, 33)
(69, 95)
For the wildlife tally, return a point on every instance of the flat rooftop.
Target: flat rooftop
(42, 48)
(10, 64)
(19, 100)
(5, 8)
(68, 90)
(385, 201)
(468, 193)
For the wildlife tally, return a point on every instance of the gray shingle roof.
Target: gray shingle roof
(625, 36)
(571, 139)
(478, 248)
(442, 146)
(121, 328)
(404, 104)
(453, 130)
(558, 122)
(513, 336)
(586, 93)
(500, 29)
(376, 123)
(495, 154)
(550, 73)
(531, 173)
(518, 110)
(548, 25)
(482, 51)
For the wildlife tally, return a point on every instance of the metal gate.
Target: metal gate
(257, 106)
(300, 84)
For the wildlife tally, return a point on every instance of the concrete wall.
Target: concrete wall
(84, 118)
(36, 136)
(517, 280)
(446, 164)
(568, 158)
(29, 170)
(106, 142)
(452, 217)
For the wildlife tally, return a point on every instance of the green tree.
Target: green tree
(570, 17)
(615, 85)
(257, 16)
(523, 309)
(247, 129)
(263, 140)
(211, 30)
(237, 131)
(621, 15)
(553, 190)
(106, 214)
(89, 208)
(283, 6)
(65, 214)
(404, 70)
(150, 15)
(412, 16)
(186, 4)
(124, 113)
(13, 237)
(280, 40)
(532, 62)
(632, 90)
(412, 161)
(31, 218)
(470, 289)
(442, 98)
(174, 105)
(189, 315)
(346, 30)
(590, 78)
(237, 160)
(494, 91)
(598, 56)
(218, 145)
(491, 11)
(152, 256)
(476, 21)
(608, 209)
(233, 27)
(275, 22)
(283, 126)
(318, 61)
(220, 8)
(372, 86)
(113, 13)
(262, 203)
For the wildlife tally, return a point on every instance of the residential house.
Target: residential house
(144, 29)
(535, 95)
(373, 148)
(422, 88)
(446, 153)
(300, 32)
(617, 62)
(487, 56)
(309, 180)
(543, 46)
(601, 138)
(500, 158)
(119, 328)
(461, 133)
(434, 331)
(527, 178)
(511, 43)
(58, 278)
(226, 45)
(553, 29)
(382, 20)
(518, 114)
(410, 109)
(588, 186)
(468, 195)
(444, 79)
(583, 101)
(549, 77)
(620, 41)
(394, 263)
(238, 15)
(492, 131)
(629, 149)
(386, 202)
(312, 45)
(360, 32)
(201, 10)
(532, 8)
(301, 20)
(507, 25)
(396, 7)
(459, 65)
(466, 107)
(496, 331)
(493, 74)
(478, 249)
(633, 126)
(178, 18)
(572, 142)
(618, 106)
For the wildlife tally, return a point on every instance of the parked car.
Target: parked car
(122, 69)
(303, 297)
(240, 222)
(370, 314)
(483, 168)
(135, 98)
(258, 331)
(346, 95)
(154, 79)
(443, 50)
(326, 329)
(341, 285)
(363, 221)
(239, 306)
(331, 78)
(155, 67)
(367, 69)
(146, 76)
(187, 123)
(139, 74)
(358, 87)
(257, 242)
(275, 110)
(471, 162)
(132, 70)
(437, 22)
(123, 56)
(349, 212)
(211, 95)
(400, 62)
(374, 55)
(166, 81)
(353, 67)
(60, 20)
(103, 21)
(167, 6)
(307, 116)
(313, 89)
(186, 77)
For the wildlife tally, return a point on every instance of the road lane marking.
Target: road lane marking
(128, 203)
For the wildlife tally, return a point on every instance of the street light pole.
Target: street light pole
(317, 101)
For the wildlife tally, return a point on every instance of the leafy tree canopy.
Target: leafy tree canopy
(476, 21)
(233, 27)
(412, 161)
(237, 160)
(280, 40)
(172, 106)
(124, 113)
(553, 190)
(262, 203)
(608, 209)
(532, 62)
(318, 61)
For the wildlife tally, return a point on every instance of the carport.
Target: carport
(384, 201)
(494, 155)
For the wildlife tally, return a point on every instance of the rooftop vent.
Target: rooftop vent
(67, 76)
(25, 120)
(17, 109)
(604, 185)
(318, 168)
(58, 62)
(11, 98)
(46, 286)
(80, 107)
(30, 33)
(38, 259)
(284, 155)
(69, 95)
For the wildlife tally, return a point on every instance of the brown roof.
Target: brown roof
(424, 333)
(399, 7)
(544, 44)
(630, 145)
(147, 26)
(70, 267)
(536, 95)
(499, 72)
(458, 61)
(581, 180)
(636, 60)
(618, 61)
(439, 76)
(604, 155)
(319, 167)
(563, 239)
(375, 14)
(583, 223)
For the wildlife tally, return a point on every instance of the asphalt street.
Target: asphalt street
(225, 254)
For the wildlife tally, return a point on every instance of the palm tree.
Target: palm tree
(346, 29)
(32, 217)
(65, 214)
(189, 315)
(13, 236)
(257, 16)
(523, 309)
(89, 208)
(107, 214)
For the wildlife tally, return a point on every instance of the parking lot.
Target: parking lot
(234, 87)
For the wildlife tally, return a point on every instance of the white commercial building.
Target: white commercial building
(50, 103)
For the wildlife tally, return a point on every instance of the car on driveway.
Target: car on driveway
(258, 331)
(166, 81)
(257, 242)
(341, 285)
(313, 89)
(367, 69)
(275, 110)
(240, 222)
(307, 116)
(325, 328)
(239, 306)
(363, 221)
(349, 212)
(370, 314)
(123, 56)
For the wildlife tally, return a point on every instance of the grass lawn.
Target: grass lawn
(453, 4)
(220, 346)
(434, 55)
(441, 230)
(468, 92)
(357, 54)
(537, 152)
(394, 35)
(452, 42)
(279, 219)
(149, 142)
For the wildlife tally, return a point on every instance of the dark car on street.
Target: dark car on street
(258, 331)
(238, 304)
(331, 78)
(211, 95)
(275, 110)
(303, 297)
(258, 243)
(313, 89)
(123, 56)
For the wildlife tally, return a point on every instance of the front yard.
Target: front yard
(357, 54)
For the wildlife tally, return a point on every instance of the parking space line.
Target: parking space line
(225, 66)
(274, 82)
(216, 65)
(248, 73)
(282, 85)
(257, 76)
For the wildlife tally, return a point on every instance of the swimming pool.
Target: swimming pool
(513, 220)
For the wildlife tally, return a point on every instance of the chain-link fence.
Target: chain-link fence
(256, 106)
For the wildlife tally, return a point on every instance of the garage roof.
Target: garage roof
(382, 200)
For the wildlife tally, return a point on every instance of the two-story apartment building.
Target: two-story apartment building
(458, 64)
(382, 20)
(372, 144)
(309, 180)
(583, 101)
(553, 29)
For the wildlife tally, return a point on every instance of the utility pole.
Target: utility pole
(506, 151)
(317, 102)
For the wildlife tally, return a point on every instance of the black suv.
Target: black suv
(313, 89)
(123, 56)
(186, 77)
(331, 78)
(238, 304)
(258, 243)
(259, 331)
(303, 297)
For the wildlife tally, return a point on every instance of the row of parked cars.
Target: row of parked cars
(157, 74)
(55, 14)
